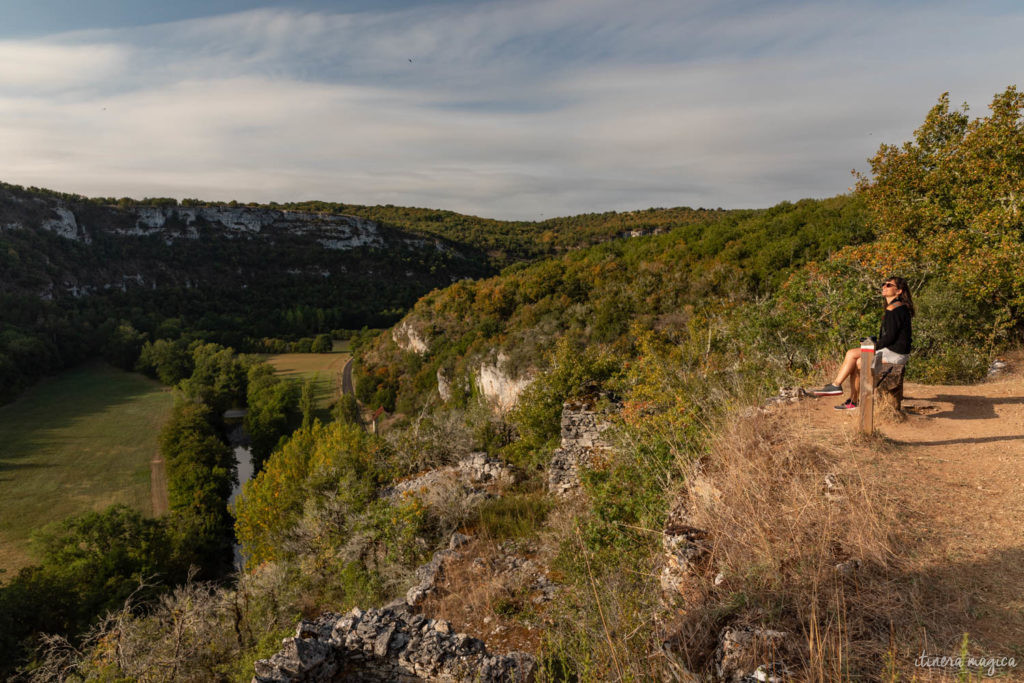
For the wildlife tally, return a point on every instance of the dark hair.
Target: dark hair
(904, 295)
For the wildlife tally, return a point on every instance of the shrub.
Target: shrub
(537, 415)
(513, 515)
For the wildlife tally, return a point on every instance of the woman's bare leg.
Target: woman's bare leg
(849, 369)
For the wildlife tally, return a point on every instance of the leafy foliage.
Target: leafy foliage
(949, 202)
(341, 459)
(593, 296)
(89, 564)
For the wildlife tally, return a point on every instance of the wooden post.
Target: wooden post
(867, 387)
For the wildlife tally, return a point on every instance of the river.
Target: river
(243, 457)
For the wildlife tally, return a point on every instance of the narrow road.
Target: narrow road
(346, 379)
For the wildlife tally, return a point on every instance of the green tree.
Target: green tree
(322, 344)
(307, 403)
(123, 345)
(168, 361)
(951, 200)
(270, 402)
(219, 378)
(346, 410)
(89, 564)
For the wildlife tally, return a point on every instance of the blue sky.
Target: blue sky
(520, 109)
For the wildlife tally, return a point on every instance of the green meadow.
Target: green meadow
(76, 442)
(323, 369)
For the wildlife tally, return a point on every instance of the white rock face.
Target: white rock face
(444, 386)
(334, 231)
(408, 339)
(64, 224)
(501, 390)
(149, 218)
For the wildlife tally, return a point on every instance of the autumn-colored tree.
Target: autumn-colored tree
(950, 199)
(335, 458)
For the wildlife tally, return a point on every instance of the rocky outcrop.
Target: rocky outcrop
(752, 654)
(583, 442)
(392, 643)
(448, 382)
(472, 474)
(332, 231)
(997, 367)
(65, 224)
(408, 339)
(684, 547)
(428, 576)
(501, 389)
(175, 246)
(444, 386)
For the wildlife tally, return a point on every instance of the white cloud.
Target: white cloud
(48, 67)
(508, 109)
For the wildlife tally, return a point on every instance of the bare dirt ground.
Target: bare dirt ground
(955, 469)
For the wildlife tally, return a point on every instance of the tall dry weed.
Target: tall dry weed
(800, 539)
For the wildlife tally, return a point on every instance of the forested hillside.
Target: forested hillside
(80, 277)
(508, 242)
(603, 296)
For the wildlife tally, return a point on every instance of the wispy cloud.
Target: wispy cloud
(507, 109)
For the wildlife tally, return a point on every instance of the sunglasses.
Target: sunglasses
(889, 284)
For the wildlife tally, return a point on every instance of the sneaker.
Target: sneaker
(848, 404)
(828, 390)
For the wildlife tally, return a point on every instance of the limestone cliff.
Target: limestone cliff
(500, 387)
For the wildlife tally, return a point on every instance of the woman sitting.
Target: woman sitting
(893, 345)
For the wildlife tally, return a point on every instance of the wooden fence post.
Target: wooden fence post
(867, 386)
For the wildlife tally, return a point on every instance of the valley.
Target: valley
(601, 439)
(77, 442)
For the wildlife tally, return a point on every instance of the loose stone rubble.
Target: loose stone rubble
(471, 473)
(786, 395)
(751, 654)
(428, 575)
(522, 572)
(847, 568)
(834, 489)
(583, 443)
(684, 546)
(392, 643)
(998, 367)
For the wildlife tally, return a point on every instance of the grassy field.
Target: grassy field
(324, 369)
(76, 442)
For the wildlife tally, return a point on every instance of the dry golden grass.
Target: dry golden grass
(927, 508)
(478, 595)
(784, 506)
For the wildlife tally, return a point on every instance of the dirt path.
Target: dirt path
(158, 486)
(956, 469)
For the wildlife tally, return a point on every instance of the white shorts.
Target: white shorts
(889, 357)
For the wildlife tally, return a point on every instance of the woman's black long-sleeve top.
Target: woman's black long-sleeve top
(895, 332)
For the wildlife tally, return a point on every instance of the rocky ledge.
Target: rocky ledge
(392, 643)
